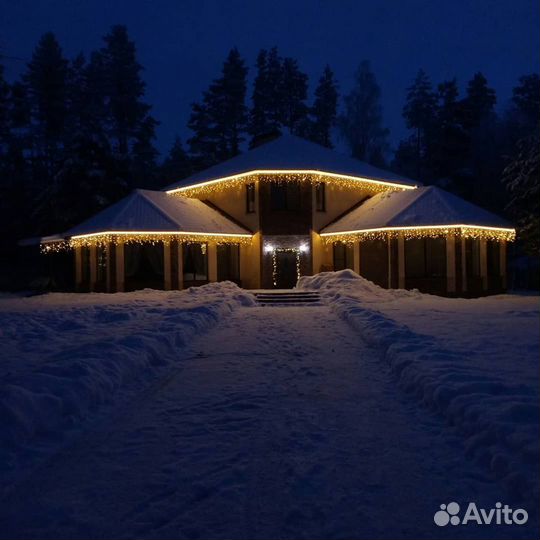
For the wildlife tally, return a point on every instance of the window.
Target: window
(493, 258)
(228, 262)
(425, 257)
(195, 262)
(250, 198)
(285, 196)
(374, 261)
(320, 197)
(343, 256)
(472, 257)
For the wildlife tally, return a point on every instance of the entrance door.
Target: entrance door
(286, 274)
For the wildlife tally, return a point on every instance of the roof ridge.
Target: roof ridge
(423, 191)
(131, 198)
(157, 207)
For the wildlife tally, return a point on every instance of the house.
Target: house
(284, 209)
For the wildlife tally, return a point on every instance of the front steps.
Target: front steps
(288, 298)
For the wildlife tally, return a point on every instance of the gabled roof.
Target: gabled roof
(288, 152)
(414, 208)
(155, 211)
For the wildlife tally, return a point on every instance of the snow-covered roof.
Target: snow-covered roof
(289, 153)
(155, 211)
(412, 208)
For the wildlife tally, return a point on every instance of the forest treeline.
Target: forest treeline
(77, 134)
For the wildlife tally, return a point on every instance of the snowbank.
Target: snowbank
(64, 355)
(473, 361)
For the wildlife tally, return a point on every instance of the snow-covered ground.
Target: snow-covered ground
(63, 356)
(475, 361)
(198, 414)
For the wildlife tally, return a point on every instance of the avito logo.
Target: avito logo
(500, 515)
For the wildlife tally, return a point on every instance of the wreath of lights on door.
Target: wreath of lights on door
(274, 262)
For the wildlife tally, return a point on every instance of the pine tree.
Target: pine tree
(526, 101)
(4, 112)
(122, 89)
(259, 123)
(202, 146)
(419, 112)
(294, 84)
(479, 101)
(229, 107)
(447, 142)
(275, 86)
(362, 123)
(46, 91)
(522, 180)
(46, 81)
(220, 120)
(116, 91)
(324, 109)
(144, 155)
(176, 165)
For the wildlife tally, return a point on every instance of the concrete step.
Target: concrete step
(288, 298)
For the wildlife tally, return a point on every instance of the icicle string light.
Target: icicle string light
(462, 231)
(120, 237)
(312, 176)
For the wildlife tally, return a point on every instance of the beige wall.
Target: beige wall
(338, 200)
(232, 200)
(250, 263)
(321, 253)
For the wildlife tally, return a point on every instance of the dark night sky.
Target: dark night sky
(182, 44)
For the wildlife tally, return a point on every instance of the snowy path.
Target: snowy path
(280, 423)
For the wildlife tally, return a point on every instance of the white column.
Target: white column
(401, 261)
(93, 267)
(180, 266)
(502, 262)
(120, 273)
(167, 266)
(78, 268)
(450, 263)
(389, 244)
(212, 262)
(463, 265)
(483, 264)
(108, 265)
(356, 257)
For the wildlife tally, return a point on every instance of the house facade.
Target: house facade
(285, 209)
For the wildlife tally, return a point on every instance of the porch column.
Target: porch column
(109, 266)
(463, 265)
(389, 251)
(483, 264)
(212, 262)
(502, 262)
(180, 265)
(356, 257)
(401, 261)
(120, 265)
(93, 267)
(167, 284)
(450, 263)
(78, 268)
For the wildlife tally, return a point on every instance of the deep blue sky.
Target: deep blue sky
(182, 43)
